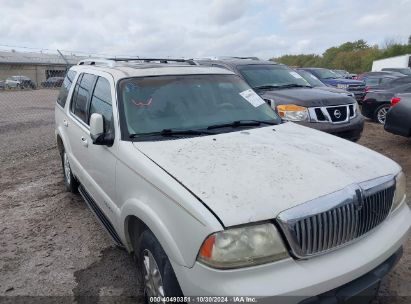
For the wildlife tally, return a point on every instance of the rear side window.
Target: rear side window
(65, 88)
(101, 102)
(81, 95)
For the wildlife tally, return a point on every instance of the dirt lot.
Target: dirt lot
(51, 244)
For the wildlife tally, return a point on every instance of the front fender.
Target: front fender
(153, 221)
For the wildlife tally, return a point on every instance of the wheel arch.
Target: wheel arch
(136, 217)
(60, 144)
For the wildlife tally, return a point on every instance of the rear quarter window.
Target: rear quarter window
(65, 88)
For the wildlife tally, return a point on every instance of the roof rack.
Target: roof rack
(250, 57)
(97, 61)
(161, 60)
(111, 62)
(234, 57)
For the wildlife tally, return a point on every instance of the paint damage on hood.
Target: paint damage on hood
(254, 174)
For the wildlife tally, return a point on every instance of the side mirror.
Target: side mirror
(97, 131)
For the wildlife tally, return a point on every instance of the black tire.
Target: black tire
(381, 112)
(148, 242)
(70, 181)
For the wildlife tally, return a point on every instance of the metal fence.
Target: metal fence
(34, 70)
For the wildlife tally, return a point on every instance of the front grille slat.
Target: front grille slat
(315, 239)
(324, 231)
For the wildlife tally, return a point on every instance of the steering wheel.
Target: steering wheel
(226, 105)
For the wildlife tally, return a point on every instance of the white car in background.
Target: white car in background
(19, 82)
(193, 173)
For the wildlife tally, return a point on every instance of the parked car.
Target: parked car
(192, 172)
(53, 82)
(398, 119)
(329, 77)
(405, 71)
(377, 103)
(2, 85)
(343, 73)
(379, 74)
(20, 82)
(294, 99)
(392, 83)
(318, 84)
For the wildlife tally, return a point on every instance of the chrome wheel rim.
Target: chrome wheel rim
(382, 114)
(153, 283)
(67, 170)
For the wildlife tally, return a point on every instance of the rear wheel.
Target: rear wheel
(69, 180)
(381, 113)
(158, 277)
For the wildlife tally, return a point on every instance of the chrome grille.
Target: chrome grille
(333, 114)
(357, 212)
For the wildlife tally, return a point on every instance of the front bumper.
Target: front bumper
(361, 290)
(351, 130)
(296, 280)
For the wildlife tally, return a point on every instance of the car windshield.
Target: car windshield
(270, 75)
(372, 81)
(311, 79)
(326, 74)
(188, 102)
(405, 71)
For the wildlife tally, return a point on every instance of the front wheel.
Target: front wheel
(381, 113)
(157, 273)
(69, 180)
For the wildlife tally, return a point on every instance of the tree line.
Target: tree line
(355, 57)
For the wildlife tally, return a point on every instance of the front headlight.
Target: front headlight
(342, 86)
(293, 112)
(242, 247)
(400, 191)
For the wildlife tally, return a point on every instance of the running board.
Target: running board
(100, 216)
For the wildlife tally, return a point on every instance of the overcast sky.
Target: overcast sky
(191, 28)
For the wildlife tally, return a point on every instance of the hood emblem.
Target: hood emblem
(337, 113)
(359, 203)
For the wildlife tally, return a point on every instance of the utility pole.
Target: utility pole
(65, 60)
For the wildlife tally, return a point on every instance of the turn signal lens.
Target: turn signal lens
(293, 112)
(400, 190)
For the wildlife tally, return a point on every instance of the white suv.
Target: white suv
(193, 173)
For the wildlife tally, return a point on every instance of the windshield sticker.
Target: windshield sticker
(296, 75)
(138, 103)
(252, 97)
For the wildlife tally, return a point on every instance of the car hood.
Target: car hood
(335, 81)
(333, 90)
(305, 97)
(254, 174)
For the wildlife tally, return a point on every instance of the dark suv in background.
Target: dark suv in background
(331, 78)
(292, 97)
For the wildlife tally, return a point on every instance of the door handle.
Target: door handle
(84, 141)
(65, 122)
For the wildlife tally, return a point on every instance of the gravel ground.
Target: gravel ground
(52, 247)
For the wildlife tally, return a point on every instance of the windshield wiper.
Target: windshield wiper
(241, 123)
(171, 132)
(293, 85)
(265, 87)
(284, 86)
